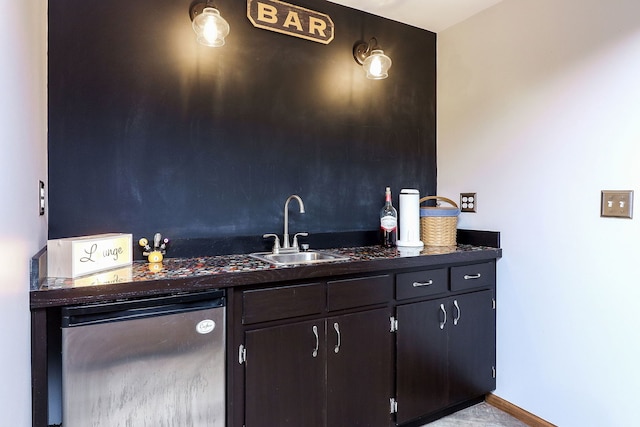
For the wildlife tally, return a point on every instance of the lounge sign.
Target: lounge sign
(296, 21)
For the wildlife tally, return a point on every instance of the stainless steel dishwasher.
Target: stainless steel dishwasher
(156, 362)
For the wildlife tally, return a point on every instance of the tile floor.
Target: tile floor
(480, 415)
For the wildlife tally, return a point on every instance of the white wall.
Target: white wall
(22, 163)
(538, 111)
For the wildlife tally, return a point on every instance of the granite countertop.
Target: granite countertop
(202, 273)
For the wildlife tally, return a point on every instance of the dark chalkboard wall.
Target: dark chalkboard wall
(151, 132)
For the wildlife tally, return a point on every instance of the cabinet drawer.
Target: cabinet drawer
(262, 305)
(359, 292)
(473, 276)
(421, 283)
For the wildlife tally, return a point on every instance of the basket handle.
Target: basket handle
(424, 199)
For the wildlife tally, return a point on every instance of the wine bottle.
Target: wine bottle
(388, 222)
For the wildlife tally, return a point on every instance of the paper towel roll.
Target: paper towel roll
(409, 227)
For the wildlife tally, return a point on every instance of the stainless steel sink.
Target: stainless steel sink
(309, 257)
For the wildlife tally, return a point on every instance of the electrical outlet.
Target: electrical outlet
(41, 197)
(617, 204)
(468, 202)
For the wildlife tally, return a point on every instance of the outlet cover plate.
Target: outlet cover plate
(468, 202)
(617, 204)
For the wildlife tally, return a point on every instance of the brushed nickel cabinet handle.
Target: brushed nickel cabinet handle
(420, 284)
(472, 276)
(337, 328)
(457, 318)
(315, 332)
(444, 322)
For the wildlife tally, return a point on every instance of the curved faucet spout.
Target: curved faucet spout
(286, 218)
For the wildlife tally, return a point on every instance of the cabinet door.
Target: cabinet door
(285, 375)
(421, 359)
(445, 353)
(359, 369)
(472, 343)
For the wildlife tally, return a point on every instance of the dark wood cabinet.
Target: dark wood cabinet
(359, 369)
(472, 346)
(335, 369)
(445, 348)
(285, 375)
(329, 358)
(282, 302)
(421, 359)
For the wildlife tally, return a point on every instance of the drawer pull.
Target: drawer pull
(457, 318)
(337, 328)
(472, 276)
(444, 322)
(315, 332)
(420, 284)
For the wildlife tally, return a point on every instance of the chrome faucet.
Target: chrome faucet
(285, 237)
(286, 247)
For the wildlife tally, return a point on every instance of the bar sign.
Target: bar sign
(296, 21)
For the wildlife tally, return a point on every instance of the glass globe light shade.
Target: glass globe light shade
(377, 65)
(210, 27)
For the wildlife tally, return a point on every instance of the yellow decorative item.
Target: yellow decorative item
(155, 267)
(155, 255)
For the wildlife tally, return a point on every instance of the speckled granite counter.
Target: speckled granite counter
(176, 275)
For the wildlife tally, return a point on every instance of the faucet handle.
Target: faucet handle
(295, 238)
(276, 243)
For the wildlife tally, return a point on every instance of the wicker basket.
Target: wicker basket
(438, 225)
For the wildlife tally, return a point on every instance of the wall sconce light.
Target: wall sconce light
(209, 26)
(375, 63)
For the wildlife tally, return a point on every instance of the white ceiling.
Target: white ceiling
(432, 15)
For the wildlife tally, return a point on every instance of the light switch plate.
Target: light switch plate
(616, 204)
(41, 197)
